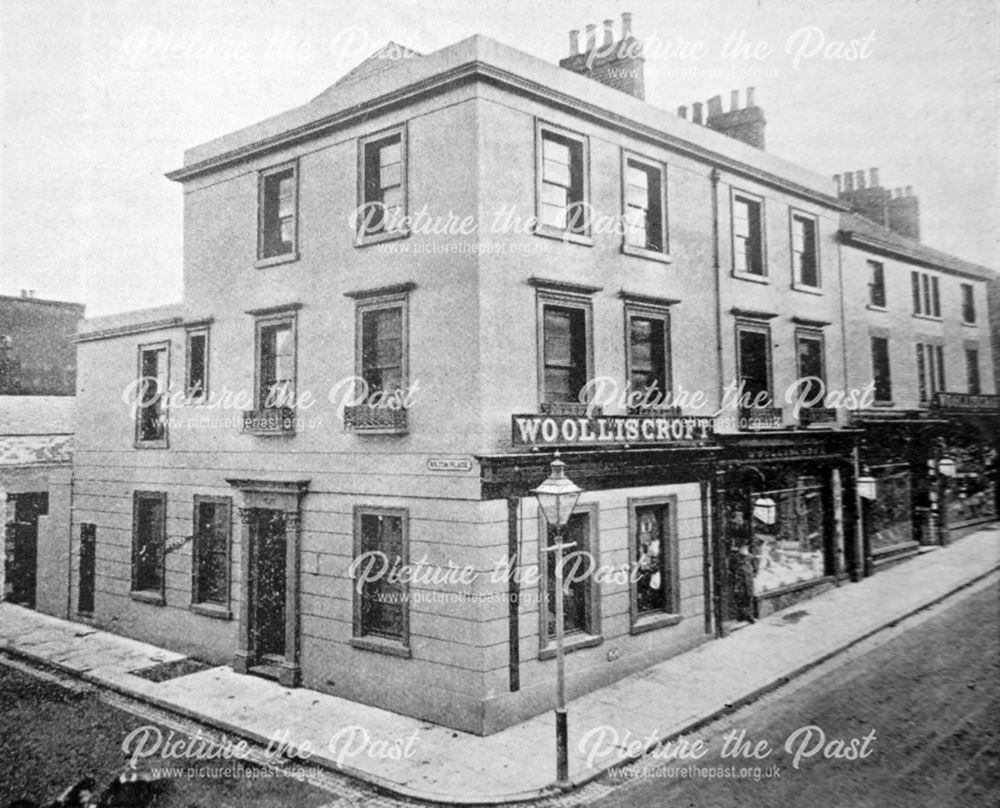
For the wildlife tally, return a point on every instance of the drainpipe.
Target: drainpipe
(716, 266)
(513, 594)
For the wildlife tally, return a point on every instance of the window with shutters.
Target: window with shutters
(876, 285)
(926, 294)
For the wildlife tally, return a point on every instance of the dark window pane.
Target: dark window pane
(382, 601)
(810, 358)
(565, 351)
(972, 370)
(648, 360)
(650, 548)
(148, 545)
(382, 349)
(197, 345)
(152, 388)
(278, 214)
(576, 600)
(880, 369)
(754, 363)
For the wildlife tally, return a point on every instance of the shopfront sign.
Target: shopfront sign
(966, 401)
(609, 430)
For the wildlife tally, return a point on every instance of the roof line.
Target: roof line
(915, 254)
(478, 70)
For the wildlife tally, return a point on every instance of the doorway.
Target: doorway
(268, 550)
(21, 566)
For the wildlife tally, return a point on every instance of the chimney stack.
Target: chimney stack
(836, 179)
(682, 112)
(746, 124)
(618, 65)
(897, 210)
(696, 112)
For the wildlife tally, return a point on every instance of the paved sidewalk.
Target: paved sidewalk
(663, 701)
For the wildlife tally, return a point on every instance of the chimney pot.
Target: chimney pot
(909, 190)
(836, 179)
(24, 293)
(859, 178)
(682, 112)
(591, 37)
(848, 181)
(696, 112)
(734, 100)
(714, 107)
(874, 177)
(609, 34)
(626, 24)
(574, 42)
(750, 96)
(898, 193)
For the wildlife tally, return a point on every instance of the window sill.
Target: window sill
(652, 255)
(275, 260)
(381, 646)
(748, 276)
(970, 325)
(153, 598)
(574, 642)
(885, 404)
(873, 307)
(151, 444)
(212, 610)
(651, 622)
(366, 420)
(379, 238)
(809, 290)
(545, 231)
(928, 317)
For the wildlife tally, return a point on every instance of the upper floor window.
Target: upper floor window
(805, 258)
(926, 294)
(811, 367)
(151, 409)
(278, 203)
(648, 359)
(275, 363)
(748, 235)
(876, 284)
(644, 207)
(382, 184)
(210, 584)
(753, 344)
(972, 371)
(968, 303)
(562, 183)
(196, 377)
(149, 536)
(565, 351)
(381, 605)
(930, 370)
(880, 369)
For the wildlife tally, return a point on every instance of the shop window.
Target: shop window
(748, 235)
(562, 182)
(889, 517)
(791, 550)
(151, 392)
(149, 534)
(648, 359)
(876, 284)
(972, 371)
(656, 591)
(754, 364)
(880, 370)
(382, 207)
(381, 605)
(210, 585)
(645, 207)
(926, 294)
(579, 595)
(278, 192)
(968, 304)
(805, 259)
(196, 378)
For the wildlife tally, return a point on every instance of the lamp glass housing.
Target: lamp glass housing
(557, 495)
(866, 486)
(765, 510)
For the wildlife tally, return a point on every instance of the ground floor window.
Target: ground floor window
(579, 606)
(889, 517)
(654, 558)
(210, 583)
(970, 495)
(149, 532)
(381, 606)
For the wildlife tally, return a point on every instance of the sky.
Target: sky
(98, 99)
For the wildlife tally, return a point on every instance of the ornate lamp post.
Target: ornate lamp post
(557, 497)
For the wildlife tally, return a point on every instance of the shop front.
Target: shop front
(966, 460)
(785, 527)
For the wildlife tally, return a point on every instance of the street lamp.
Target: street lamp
(867, 486)
(557, 497)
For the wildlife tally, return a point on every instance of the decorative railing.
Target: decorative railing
(568, 408)
(376, 420)
(271, 421)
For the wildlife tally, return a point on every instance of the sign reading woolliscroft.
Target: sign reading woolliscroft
(608, 430)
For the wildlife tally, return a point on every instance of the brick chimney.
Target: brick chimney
(899, 212)
(617, 64)
(743, 123)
